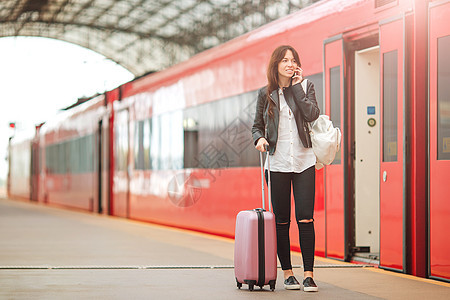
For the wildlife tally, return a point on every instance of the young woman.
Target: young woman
(283, 110)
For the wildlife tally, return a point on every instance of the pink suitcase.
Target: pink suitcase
(255, 246)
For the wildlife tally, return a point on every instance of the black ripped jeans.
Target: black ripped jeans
(303, 186)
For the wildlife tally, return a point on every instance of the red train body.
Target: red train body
(175, 148)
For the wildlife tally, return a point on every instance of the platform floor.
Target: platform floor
(51, 253)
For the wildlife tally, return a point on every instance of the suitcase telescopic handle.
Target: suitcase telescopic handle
(262, 178)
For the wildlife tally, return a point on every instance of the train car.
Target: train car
(176, 146)
(22, 166)
(71, 156)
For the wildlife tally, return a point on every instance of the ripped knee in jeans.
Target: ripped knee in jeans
(306, 221)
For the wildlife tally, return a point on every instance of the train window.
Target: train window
(218, 134)
(48, 168)
(121, 141)
(61, 158)
(138, 145)
(155, 141)
(78, 144)
(390, 78)
(65, 167)
(70, 156)
(190, 148)
(317, 79)
(335, 101)
(175, 145)
(166, 141)
(75, 156)
(55, 158)
(142, 160)
(83, 155)
(91, 153)
(79, 154)
(146, 143)
(165, 158)
(211, 135)
(52, 159)
(443, 98)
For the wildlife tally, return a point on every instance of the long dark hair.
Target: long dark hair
(272, 71)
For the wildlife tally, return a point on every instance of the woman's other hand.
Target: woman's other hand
(261, 144)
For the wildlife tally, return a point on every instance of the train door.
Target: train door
(335, 199)
(34, 171)
(392, 158)
(121, 188)
(439, 140)
(367, 152)
(100, 167)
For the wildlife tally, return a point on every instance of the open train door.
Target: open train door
(335, 174)
(439, 140)
(392, 158)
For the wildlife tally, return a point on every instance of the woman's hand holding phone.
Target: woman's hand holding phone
(298, 76)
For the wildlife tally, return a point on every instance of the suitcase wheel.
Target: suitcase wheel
(272, 285)
(251, 284)
(239, 285)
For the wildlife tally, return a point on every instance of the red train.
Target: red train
(175, 148)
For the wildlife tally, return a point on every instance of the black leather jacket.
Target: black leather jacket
(304, 107)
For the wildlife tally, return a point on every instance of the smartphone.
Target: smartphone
(296, 73)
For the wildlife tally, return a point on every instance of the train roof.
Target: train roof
(77, 118)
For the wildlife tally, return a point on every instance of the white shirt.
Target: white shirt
(290, 155)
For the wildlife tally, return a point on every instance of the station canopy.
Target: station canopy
(141, 35)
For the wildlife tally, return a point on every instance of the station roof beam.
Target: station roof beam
(141, 35)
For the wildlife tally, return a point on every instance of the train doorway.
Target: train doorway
(367, 154)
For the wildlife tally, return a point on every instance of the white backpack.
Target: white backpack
(325, 138)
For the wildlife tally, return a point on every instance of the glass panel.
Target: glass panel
(155, 143)
(190, 148)
(177, 139)
(47, 160)
(61, 159)
(64, 157)
(390, 82)
(317, 79)
(138, 146)
(218, 134)
(75, 155)
(90, 153)
(165, 143)
(443, 98)
(121, 141)
(335, 101)
(79, 167)
(83, 153)
(146, 143)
